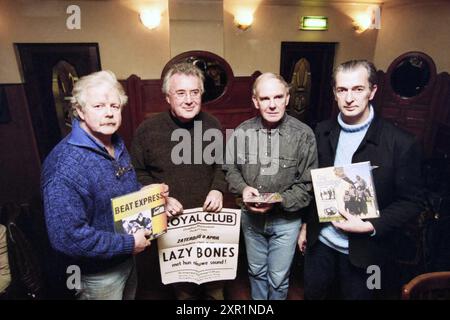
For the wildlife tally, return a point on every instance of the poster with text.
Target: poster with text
(200, 246)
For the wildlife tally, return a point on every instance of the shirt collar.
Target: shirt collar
(79, 137)
(281, 128)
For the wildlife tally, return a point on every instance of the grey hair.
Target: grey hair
(78, 99)
(354, 64)
(269, 75)
(185, 68)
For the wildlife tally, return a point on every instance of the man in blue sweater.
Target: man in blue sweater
(79, 177)
(339, 254)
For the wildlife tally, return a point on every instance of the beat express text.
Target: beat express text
(138, 203)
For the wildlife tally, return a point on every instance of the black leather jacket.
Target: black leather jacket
(398, 184)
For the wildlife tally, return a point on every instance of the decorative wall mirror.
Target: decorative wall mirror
(411, 74)
(63, 79)
(217, 72)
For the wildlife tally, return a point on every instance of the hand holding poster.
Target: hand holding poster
(143, 209)
(200, 246)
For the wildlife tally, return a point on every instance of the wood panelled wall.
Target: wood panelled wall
(145, 99)
(19, 161)
(440, 128)
(428, 117)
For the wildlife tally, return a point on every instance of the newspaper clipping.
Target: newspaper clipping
(348, 188)
(143, 209)
(200, 246)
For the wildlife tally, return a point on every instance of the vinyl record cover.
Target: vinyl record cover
(348, 188)
(143, 209)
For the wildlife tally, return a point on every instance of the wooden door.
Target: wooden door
(320, 58)
(37, 62)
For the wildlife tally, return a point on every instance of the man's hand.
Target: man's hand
(140, 240)
(353, 224)
(165, 188)
(173, 207)
(249, 192)
(255, 207)
(302, 239)
(214, 201)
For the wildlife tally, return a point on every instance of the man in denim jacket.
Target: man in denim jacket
(272, 152)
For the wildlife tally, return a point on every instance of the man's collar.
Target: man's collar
(281, 127)
(185, 125)
(374, 132)
(81, 138)
(372, 135)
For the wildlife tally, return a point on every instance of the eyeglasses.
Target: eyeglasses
(120, 171)
(182, 94)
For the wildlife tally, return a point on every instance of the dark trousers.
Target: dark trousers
(330, 275)
(205, 291)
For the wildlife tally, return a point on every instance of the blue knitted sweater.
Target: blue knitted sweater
(78, 181)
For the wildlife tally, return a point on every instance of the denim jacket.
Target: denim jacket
(278, 160)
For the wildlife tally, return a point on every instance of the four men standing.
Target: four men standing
(270, 153)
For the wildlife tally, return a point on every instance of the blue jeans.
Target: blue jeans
(117, 283)
(270, 241)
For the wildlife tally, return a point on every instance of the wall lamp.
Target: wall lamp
(371, 19)
(243, 19)
(361, 23)
(150, 18)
